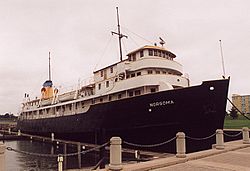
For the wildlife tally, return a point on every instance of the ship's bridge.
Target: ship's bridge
(153, 57)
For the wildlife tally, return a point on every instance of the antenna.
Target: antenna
(49, 68)
(119, 34)
(162, 42)
(222, 60)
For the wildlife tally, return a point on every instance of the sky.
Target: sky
(78, 35)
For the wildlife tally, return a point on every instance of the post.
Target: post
(52, 137)
(79, 155)
(219, 140)
(65, 157)
(137, 155)
(19, 132)
(2, 156)
(180, 145)
(60, 162)
(115, 154)
(245, 134)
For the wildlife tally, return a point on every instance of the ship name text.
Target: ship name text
(161, 103)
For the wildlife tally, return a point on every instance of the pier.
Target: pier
(232, 155)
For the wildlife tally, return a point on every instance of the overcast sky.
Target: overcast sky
(78, 35)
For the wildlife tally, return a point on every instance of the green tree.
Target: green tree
(233, 113)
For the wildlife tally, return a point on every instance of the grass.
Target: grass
(238, 123)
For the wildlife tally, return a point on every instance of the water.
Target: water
(16, 161)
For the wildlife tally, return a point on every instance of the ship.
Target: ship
(144, 99)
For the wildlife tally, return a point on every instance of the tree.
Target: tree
(233, 113)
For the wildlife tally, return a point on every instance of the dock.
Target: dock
(233, 155)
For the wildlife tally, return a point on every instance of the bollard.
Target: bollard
(2, 156)
(115, 154)
(52, 137)
(245, 134)
(60, 162)
(19, 132)
(219, 140)
(180, 145)
(137, 155)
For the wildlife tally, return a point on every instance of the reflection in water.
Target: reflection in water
(23, 162)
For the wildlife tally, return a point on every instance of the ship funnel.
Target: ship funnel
(47, 90)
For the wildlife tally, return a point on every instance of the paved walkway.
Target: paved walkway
(235, 157)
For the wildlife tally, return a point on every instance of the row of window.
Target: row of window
(103, 72)
(151, 52)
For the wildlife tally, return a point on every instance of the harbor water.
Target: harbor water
(18, 161)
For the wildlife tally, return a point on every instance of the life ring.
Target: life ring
(43, 89)
(55, 90)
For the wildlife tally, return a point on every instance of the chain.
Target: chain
(86, 151)
(30, 153)
(199, 139)
(56, 155)
(235, 135)
(149, 145)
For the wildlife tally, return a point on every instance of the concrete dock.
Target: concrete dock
(235, 157)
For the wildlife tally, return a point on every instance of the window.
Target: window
(99, 86)
(129, 58)
(164, 72)
(133, 75)
(138, 73)
(110, 98)
(130, 94)
(163, 54)
(150, 72)
(160, 53)
(150, 52)
(157, 72)
(70, 106)
(76, 105)
(107, 83)
(155, 53)
(101, 100)
(127, 76)
(101, 73)
(137, 92)
(152, 90)
(82, 104)
(116, 79)
(134, 57)
(119, 96)
(111, 70)
(141, 53)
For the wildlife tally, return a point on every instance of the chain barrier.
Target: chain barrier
(235, 135)
(149, 145)
(199, 139)
(86, 151)
(56, 155)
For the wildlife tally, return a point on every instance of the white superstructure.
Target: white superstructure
(148, 69)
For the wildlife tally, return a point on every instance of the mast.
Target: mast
(119, 34)
(49, 68)
(222, 60)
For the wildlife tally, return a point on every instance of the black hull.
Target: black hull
(147, 119)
